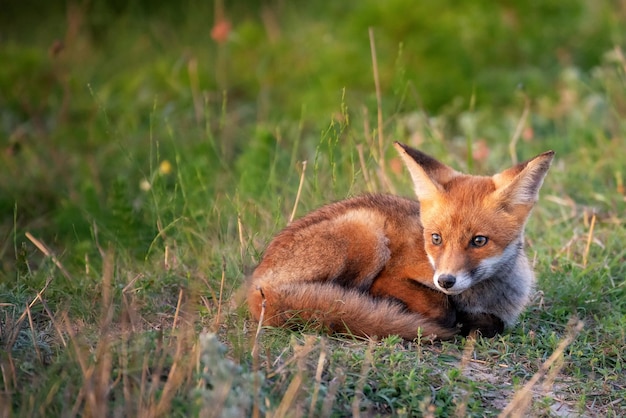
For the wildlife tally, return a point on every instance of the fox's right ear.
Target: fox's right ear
(519, 185)
(428, 174)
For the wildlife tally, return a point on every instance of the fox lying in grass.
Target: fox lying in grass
(377, 265)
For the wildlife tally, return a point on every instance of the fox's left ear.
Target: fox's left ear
(519, 185)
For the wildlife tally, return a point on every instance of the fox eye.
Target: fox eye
(436, 239)
(479, 241)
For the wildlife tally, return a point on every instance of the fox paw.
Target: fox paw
(484, 324)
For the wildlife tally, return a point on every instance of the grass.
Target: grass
(147, 165)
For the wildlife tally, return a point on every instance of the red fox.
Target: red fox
(377, 265)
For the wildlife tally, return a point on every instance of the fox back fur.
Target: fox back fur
(450, 262)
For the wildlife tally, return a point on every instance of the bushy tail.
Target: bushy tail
(337, 309)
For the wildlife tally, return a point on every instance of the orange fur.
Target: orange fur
(327, 266)
(370, 265)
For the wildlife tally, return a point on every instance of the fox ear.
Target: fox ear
(519, 185)
(428, 175)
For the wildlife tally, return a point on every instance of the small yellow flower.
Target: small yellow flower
(165, 167)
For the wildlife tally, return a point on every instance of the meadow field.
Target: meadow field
(150, 151)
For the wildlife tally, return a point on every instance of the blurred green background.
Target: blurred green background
(94, 96)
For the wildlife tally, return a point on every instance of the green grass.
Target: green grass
(146, 167)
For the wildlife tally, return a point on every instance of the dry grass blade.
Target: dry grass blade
(126, 324)
(371, 188)
(521, 401)
(175, 377)
(256, 410)
(365, 368)
(288, 398)
(82, 362)
(33, 334)
(300, 354)
(7, 369)
(218, 317)
(101, 377)
(143, 384)
(382, 170)
(24, 314)
(255, 347)
(39, 297)
(589, 240)
(318, 377)
(468, 350)
(108, 268)
(180, 369)
(518, 130)
(331, 395)
(56, 326)
(97, 376)
(41, 247)
(177, 311)
(242, 246)
(295, 205)
(379, 100)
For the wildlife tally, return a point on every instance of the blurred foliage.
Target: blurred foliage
(95, 95)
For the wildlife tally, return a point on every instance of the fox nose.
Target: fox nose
(446, 281)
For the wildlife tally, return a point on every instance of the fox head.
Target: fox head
(473, 225)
